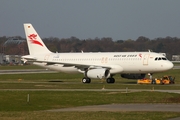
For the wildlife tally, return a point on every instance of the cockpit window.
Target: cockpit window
(160, 58)
(164, 58)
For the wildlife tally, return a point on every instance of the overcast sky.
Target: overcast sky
(118, 19)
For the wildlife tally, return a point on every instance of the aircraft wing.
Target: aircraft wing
(80, 66)
(84, 66)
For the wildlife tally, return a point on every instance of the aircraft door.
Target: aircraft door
(46, 57)
(145, 59)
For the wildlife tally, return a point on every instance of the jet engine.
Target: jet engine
(133, 76)
(97, 73)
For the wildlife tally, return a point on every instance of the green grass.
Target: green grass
(78, 85)
(40, 76)
(73, 81)
(14, 106)
(44, 100)
(87, 115)
(14, 67)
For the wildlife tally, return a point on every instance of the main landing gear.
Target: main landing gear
(110, 80)
(88, 80)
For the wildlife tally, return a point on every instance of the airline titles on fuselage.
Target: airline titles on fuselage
(56, 56)
(125, 55)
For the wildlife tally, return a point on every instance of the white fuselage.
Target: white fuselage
(125, 62)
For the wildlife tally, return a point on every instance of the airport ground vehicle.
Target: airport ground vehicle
(162, 81)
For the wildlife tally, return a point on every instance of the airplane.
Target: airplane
(94, 65)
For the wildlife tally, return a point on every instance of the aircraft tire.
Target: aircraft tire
(113, 80)
(86, 80)
(89, 80)
(110, 80)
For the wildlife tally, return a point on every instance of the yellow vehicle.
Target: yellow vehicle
(144, 81)
(149, 81)
(163, 80)
(168, 80)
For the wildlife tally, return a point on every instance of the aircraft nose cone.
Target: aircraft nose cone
(169, 65)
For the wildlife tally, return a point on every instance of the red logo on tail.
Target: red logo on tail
(33, 40)
(140, 55)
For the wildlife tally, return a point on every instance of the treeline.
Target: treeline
(168, 45)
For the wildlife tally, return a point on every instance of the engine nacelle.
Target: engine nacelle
(133, 76)
(98, 73)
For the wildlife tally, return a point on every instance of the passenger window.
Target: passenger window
(156, 58)
(159, 58)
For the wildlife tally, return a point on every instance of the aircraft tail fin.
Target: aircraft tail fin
(35, 43)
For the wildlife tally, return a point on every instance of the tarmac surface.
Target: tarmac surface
(124, 107)
(25, 71)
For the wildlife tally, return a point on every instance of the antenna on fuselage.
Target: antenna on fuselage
(149, 50)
